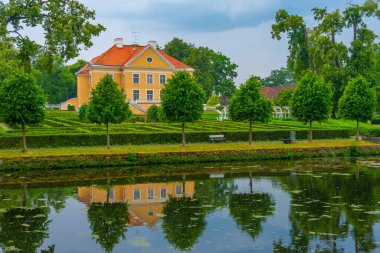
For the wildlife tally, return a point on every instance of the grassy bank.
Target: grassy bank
(96, 157)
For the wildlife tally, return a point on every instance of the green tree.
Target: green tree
(248, 104)
(358, 102)
(311, 101)
(213, 70)
(107, 105)
(22, 103)
(284, 97)
(82, 111)
(108, 222)
(279, 77)
(200, 59)
(182, 100)
(183, 222)
(8, 59)
(67, 25)
(152, 113)
(58, 83)
(299, 59)
(224, 73)
(213, 100)
(178, 48)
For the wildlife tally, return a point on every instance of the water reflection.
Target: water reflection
(237, 210)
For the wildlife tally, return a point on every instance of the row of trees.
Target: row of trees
(318, 48)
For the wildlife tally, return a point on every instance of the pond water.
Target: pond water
(309, 206)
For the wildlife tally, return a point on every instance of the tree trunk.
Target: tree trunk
(23, 138)
(311, 132)
(357, 130)
(355, 25)
(184, 185)
(336, 59)
(108, 137)
(308, 50)
(250, 131)
(183, 134)
(24, 195)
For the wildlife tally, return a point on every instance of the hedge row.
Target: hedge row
(131, 160)
(159, 138)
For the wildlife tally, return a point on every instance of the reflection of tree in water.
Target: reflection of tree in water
(324, 207)
(213, 193)
(108, 223)
(183, 222)
(250, 210)
(23, 229)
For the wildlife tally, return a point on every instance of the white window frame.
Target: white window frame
(147, 78)
(133, 78)
(150, 197)
(160, 94)
(134, 196)
(164, 75)
(147, 99)
(133, 96)
(113, 76)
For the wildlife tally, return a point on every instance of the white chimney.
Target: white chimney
(153, 44)
(119, 42)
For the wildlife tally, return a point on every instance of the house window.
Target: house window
(136, 194)
(110, 194)
(160, 94)
(162, 79)
(150, 193)
(90, 80)
(163, 193)
(136, 78)
(136, 95)
(178, 189)
(149, 95)
(113, 76)
(149, 79)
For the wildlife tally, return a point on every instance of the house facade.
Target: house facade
(141, 71)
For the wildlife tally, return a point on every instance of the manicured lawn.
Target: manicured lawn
(177, 148)
(68, 123)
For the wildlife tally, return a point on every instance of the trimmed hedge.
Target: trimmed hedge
(130, 160)
(72, 140)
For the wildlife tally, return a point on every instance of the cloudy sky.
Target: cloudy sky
(239, 29)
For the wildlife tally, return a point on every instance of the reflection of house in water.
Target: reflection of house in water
(145, 201)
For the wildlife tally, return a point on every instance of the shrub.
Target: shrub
(70, 108)
(152, 113)
(82, 112)
(213, 100)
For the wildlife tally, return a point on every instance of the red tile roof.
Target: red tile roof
(120, 56)
(272, 92)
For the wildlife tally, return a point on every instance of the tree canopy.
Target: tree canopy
(107, 104)
(279, 77)
(358, 102)
(22, 103)
(214, 71)
(182, 100)
(311, 100)
(321, 48)
(67, 25)
(248, 104)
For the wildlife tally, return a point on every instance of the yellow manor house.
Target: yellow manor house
(142, 71)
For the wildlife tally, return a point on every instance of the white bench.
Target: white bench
(216, 137)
